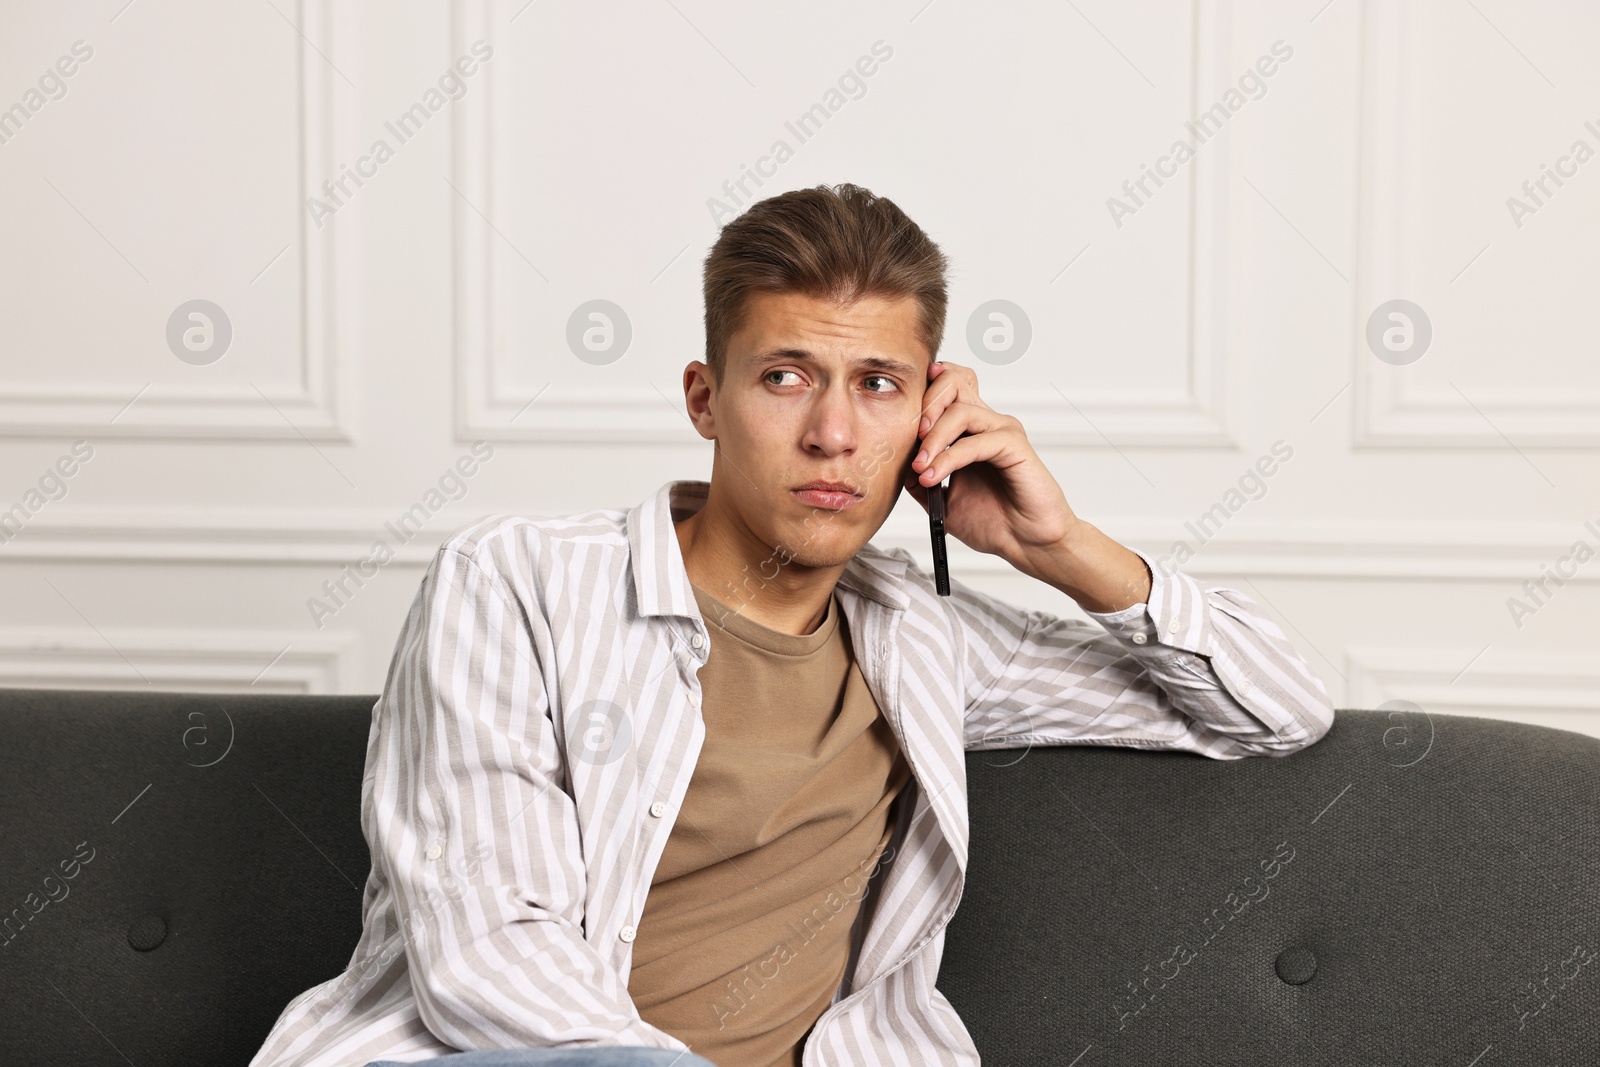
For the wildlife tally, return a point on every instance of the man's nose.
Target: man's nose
(831, 422)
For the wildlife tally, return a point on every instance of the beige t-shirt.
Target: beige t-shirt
(745, 933)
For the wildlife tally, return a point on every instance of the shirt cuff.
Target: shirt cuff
(1173, 614)
(1132, 625)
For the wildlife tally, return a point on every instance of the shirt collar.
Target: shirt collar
(661, 580)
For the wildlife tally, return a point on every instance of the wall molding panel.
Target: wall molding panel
(158, 659)
(1555, 689)
(1189, 416)
(1390, 410)
(318, 407)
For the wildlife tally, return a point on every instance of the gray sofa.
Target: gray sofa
(1410, 890)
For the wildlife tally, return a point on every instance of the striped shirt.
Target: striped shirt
(540, 723)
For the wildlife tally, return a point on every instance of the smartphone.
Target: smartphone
(941, 563)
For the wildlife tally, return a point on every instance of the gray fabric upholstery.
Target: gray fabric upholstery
(1409, 890)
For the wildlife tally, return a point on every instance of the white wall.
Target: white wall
(375, 340)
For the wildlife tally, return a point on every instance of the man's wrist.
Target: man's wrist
(1093, 569)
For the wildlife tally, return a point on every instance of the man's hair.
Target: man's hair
(839, 242)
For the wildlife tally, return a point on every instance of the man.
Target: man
(684, 784)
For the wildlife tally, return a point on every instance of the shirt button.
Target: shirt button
(626, 933)
(1172, 627)
(1244, 685)
(433, 852)
(1139, 639)
(696, 641)
(658, 809)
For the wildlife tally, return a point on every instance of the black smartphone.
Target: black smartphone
(941, 563)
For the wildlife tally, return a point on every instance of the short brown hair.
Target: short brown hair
(839, 242)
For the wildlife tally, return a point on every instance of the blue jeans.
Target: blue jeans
(597, 1056)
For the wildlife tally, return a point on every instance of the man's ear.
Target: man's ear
(698, 397)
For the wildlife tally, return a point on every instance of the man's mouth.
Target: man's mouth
(835, 496)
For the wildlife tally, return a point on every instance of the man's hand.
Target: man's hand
(1006, 502)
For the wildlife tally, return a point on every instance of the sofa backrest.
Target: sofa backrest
(223, 872)
(1410, 889)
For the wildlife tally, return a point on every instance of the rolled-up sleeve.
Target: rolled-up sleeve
(470, 825)
(1196, 667)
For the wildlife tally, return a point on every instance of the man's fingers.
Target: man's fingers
(918, 492)
(958, 421)
(963, 452)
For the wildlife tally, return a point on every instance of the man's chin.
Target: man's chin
(818, 553)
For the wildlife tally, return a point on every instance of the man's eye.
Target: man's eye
(770, 373)
(881, 378)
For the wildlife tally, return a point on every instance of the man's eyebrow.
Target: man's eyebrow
(878, 363)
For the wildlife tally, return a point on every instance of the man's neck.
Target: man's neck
(733, 567)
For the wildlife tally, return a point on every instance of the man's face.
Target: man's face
(815, 391)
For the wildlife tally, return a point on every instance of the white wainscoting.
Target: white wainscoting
(429, 312)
